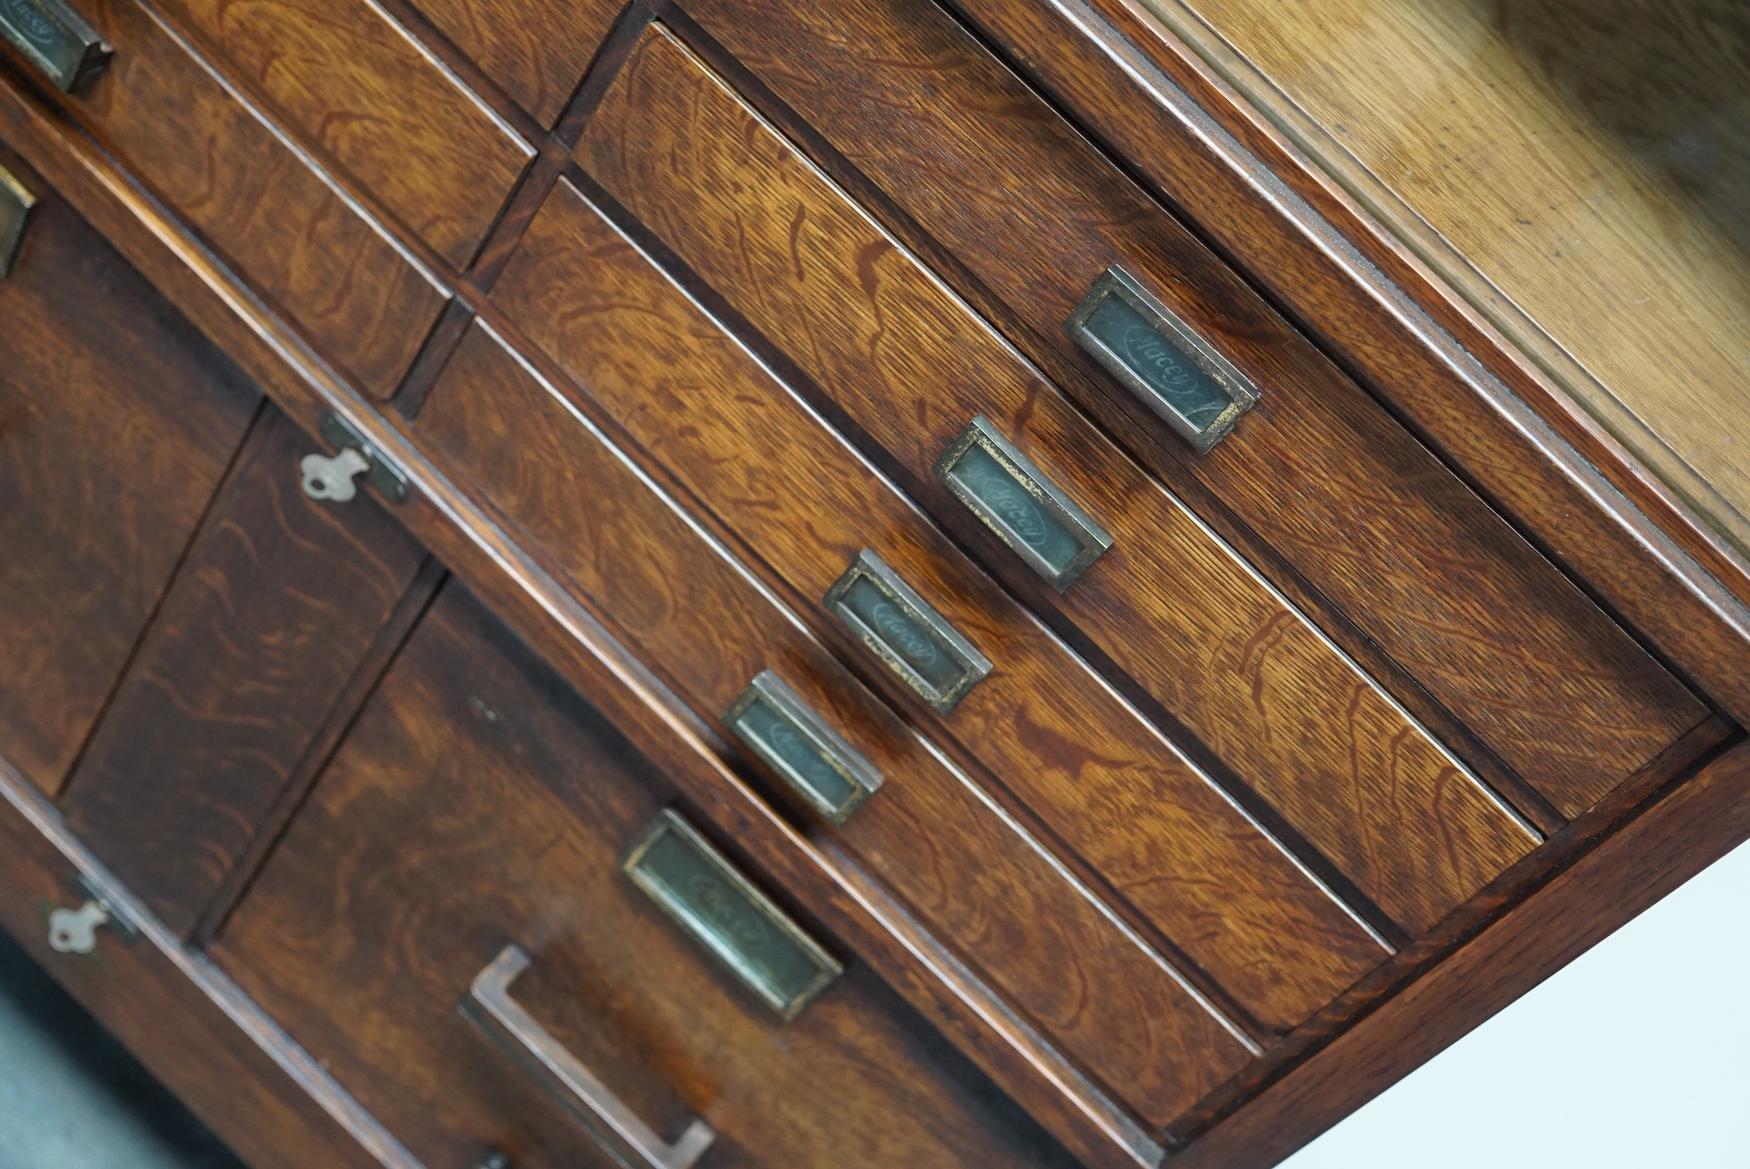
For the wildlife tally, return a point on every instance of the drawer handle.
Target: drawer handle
(56, 40)
(15, 205)
(1025, 509)
(698, 888)
(804, 750)
(901, 629)
(628, 1139)
(1161, 359)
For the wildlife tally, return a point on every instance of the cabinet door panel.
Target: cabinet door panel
(117, 421)
(277, 603)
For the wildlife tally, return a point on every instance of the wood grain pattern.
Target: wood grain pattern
(931, 978)
(537, 50)
(1696, 822)
(361, 91)
(1117, 790)
(1375, 521)
(982, 882)
(1383, 314)
(1537, 156)
(117, 421)
(186, 1023)
(1169, 604)
(276, 603)
(286, 228)
(478, 802)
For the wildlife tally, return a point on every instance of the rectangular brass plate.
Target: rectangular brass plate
(1013, 497)
(55, 39)
(807, 753)
(15, 205)
(702, 892)
(901, 629)
(1161, 359)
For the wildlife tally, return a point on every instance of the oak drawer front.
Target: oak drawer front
(981, 881)
(536, 50)
(1348, 498)
(1184, 619)
(373, 103)
(117, 421)
(478, 805)
(1112, 786)
(287, 230)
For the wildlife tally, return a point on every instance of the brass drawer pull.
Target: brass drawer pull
(626, 1138)
(901, 629)
(706, 896)
(1161, 359)
(805, 751)
(1013, 497)
(56, 40)
(15, 205)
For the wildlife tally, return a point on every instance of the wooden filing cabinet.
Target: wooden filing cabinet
(749, 584)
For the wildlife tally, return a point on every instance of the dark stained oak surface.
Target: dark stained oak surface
(361, 91)
(1169, 603)
(285, 227)
(969, 870)
(536, 49)
(117, 421)
(1370, 518)
(570, 636)
(737, 370)
(1116, 789)
(274, 607)
(476, 803)
(188, 1025)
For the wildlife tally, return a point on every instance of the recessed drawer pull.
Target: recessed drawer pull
(1161, 359)
(901, 629)
(629, 1140)
(805, 751)
(15, 205)
(1013, 497)
(56, 40)
(706, 896)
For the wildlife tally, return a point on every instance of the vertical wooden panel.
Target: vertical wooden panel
(278, 601)
(117, 421)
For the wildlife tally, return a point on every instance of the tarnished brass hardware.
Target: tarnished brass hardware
(901, 629)
(707, 896)
(631, 1142)
(56, 40)
(1016, 500)
(801, 747)
(1161, 359)
(15, 206)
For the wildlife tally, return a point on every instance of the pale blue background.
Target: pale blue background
(1635, 1056)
